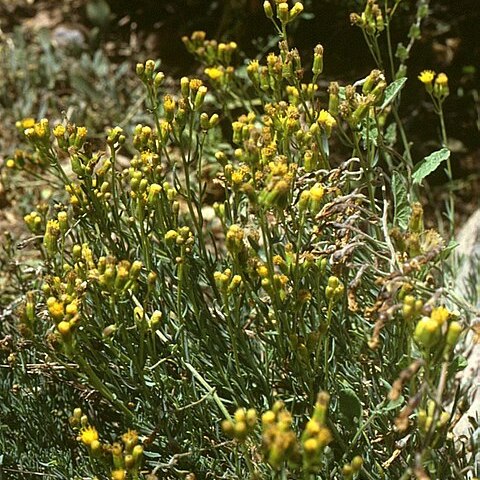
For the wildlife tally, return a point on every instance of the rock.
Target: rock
(66, 37)
(468, 286)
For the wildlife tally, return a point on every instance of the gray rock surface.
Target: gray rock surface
(468, 286)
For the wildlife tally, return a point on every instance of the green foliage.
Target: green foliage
(233, 267)
(430, 164)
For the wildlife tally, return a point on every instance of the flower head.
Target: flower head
(326, 121)
(426, 77)
(88, 435)
(215, 73)
(441, 79)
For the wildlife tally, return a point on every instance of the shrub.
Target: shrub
(236, 269)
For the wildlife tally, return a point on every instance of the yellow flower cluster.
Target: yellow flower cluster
(351, 469)
(335, 289)
(283, 12)
(22, 159)
(242, 424)
(227, 283)
(326, 121)
(311, 199)
(70, 136)
(34, 222)
(279, 442)
(36, 132)
(371, 20)
(278, 183)
(210, 52)
(436, 85)
(425, 417)
(411, 307)
(219, 75)
(63, 301)
(125, 457)
(429, 330)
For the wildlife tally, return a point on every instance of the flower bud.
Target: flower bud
(283, 12)
(140, 70)
(296, 10)
(453, 333)
(317, 60)
(267, 8)
(158, 79)
(200, 97)
(427, 332)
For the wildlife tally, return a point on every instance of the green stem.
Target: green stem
(98, 384)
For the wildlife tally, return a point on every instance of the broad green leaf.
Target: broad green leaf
(394, 404)
(392, 91)
(349, 404)
(390, 134)
(400, 200)
(458, 364)
(369, 133)
(430, 164)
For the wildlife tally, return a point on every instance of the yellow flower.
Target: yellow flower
(311, 445)
(440, 315)
(324, 436)
(317, 192)
(215, 73)
(325, 118)
(88, 435)
(441, 80)
(119, 474)
(440, 89)
(130, 438)
(426, 77)
(55, 308)
(64, 328)
(427, 332)
(82, 132)
(28, 123)
(326, 121)
(262, 271)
